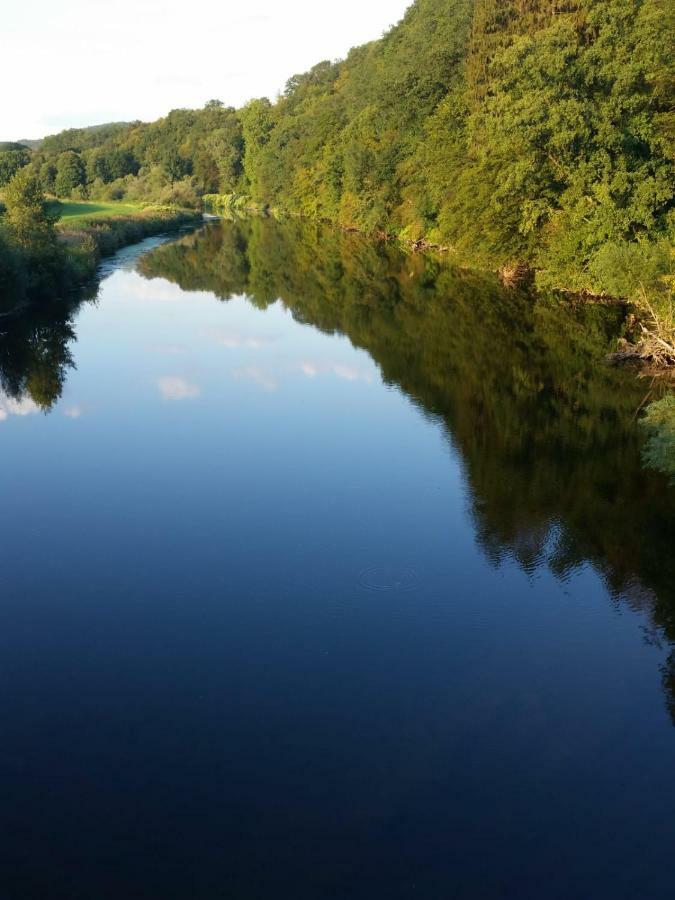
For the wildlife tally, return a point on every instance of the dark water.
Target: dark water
(330, 573)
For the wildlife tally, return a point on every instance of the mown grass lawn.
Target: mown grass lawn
(72, 212)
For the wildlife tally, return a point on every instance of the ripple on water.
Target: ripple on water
(388, 578)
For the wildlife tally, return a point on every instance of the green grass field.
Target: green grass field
(73, 213)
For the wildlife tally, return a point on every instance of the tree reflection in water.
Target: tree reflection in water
(547, 431)
(35, 356)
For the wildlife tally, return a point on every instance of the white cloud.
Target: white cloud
(347, 373)
(170, 349)
(173, 387)
(233, 340)
(73, 412)
(339, 370)
(258, 376)
(153, 289)
(11, 407)
(287, 38)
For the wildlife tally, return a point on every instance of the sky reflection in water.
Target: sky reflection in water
(349, 583)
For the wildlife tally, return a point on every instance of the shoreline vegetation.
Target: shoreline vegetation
(651, 345)
(95, 236)
(535, 139)
(493, 345)
(49, 248)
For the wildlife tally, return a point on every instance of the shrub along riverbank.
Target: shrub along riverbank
(42, 257)
(651, 298)
(88, 239)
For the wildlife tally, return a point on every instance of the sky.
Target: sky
(84, 62)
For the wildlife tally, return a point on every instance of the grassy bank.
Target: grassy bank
(48, 248)
(89, 231)
(76, 212)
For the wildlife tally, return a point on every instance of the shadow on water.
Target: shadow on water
(547, 431)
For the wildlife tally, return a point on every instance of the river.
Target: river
(329, 571)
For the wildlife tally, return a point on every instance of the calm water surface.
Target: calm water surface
(329, 572)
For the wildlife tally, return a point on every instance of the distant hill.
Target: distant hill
(34, 144)
(18, 145)
(77, 139)
(80, 139)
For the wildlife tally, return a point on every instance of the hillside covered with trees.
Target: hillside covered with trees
(518, 133)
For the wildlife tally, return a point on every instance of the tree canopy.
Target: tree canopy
(535, 132)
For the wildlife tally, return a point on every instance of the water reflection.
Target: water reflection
(547, 432)
(35, 341)
(35, 357)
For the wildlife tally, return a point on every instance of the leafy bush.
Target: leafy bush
(659, 451)
(629, 269)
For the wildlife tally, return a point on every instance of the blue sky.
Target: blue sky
(82, 62)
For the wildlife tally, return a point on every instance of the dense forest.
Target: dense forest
(524, 135)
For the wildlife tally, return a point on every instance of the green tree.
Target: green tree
(29, 227)
(539, 132)
(257, 124)
(48, 176)
(10, 163)
(174, 164)
(70, 173)
(659, 451)
(27, 217)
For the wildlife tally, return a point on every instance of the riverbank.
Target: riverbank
(651, 343)
(68, 258)
(88, 239)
